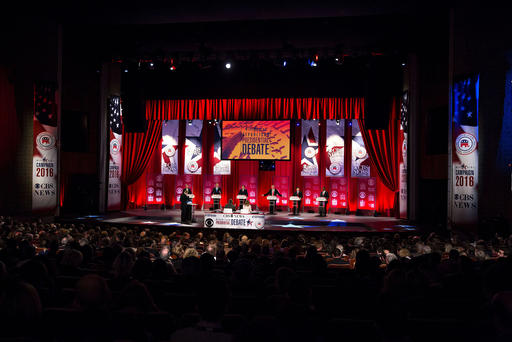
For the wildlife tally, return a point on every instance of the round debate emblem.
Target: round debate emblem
(151, 190)
(308, 193)
(193, 166)
(208, 222)
(259, 224)
(309, 152)
(179, 190)
(169, 151)
(465, 143)
(45, 141)
(335, 168)
(334, 193)
(114, 146)
(361, 152)
(371, 182)
(404, 146)
(362, 194)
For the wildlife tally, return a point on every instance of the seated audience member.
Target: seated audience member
(230, 205)
(212, 299)
(135, 297)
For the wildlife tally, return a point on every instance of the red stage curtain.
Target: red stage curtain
(252, 109)
(137, 151)
(382, 147)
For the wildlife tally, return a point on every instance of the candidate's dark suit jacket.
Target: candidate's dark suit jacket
(216, 191)
(243, 192)
(298, 194)
(276, 193)
(324, 194)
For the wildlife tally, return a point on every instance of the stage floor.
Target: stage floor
(281, 221)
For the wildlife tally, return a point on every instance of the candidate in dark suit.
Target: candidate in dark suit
(272, 192)
(243, 191)
(216, 201)
(186, 210)
(296, 208)
(323, 208)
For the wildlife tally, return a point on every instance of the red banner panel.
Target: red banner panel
(367, 196)
(282, 185)
(251, 184)
(181, 181)
(339, 193)
(311, 191)
(208, 185)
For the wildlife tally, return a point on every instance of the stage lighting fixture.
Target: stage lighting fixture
(350, 123)
(338, 122)
(338, 60)
(190, 122)
(172, 68)
(284, 63)
(228, 65)
(125, 70)
(403, 64)
(312, 63)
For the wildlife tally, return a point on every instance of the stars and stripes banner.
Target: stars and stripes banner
(360, 160)
(309, 155)
(404, 117)
(335, 148)
(338, 197)
(367, 193)
(170, 136)
(115, 161)
(193, 147)
(45, 152)
(220, 167)
(464, 196)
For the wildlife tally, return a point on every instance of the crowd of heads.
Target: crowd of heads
(122, 258)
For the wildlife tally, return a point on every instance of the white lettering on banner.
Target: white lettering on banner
(234, 221)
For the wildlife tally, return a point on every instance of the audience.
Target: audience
(219, 286)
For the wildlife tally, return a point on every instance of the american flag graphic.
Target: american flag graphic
(45, 108)
(114, 114)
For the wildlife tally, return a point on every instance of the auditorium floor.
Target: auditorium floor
(281, 221)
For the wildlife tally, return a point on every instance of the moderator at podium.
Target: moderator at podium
(186, 209)
(242, 192)
(216, 201)
(272, 192)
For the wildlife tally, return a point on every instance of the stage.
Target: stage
(281, 221)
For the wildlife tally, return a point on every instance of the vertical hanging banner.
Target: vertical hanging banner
(309, 154)
(170, 136)
(283, 186)
(251, 184)
(404, 115)
(360, 160)
(193, 147)
(220, 167)
(367, 193)
(181, 182)
(115, 161)
(464, 199)
(155, 189)
(45, 153)
(208, 185)
(311, 191)
(338, 197)
(335, 148)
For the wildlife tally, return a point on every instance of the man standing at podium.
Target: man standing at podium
(272, 192)
(325, 194)
(243, 191)
(298, 194)
(216, 201)
(186, 209)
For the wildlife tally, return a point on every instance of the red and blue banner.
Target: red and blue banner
(360, 158)
(309, 148)
(170, 136)
(464, 178)
(116, 155)
(335, 148)
(193, 147)
(220, 167)
(45, 152)
(404, 115)
(155, 189)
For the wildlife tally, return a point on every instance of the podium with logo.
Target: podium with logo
(322, 201)
(295, 200)
(216, 201)
(272, 203)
